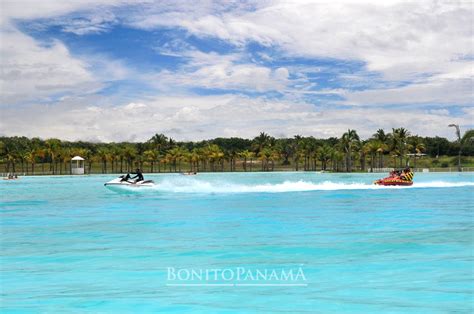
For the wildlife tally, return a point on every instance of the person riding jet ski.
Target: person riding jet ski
(125, 177)
(138, 175)
(126, 181)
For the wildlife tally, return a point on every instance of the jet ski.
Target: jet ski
(117, 182)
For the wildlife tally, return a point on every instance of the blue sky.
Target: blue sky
(117, 70)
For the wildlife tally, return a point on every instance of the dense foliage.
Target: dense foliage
(160, 153)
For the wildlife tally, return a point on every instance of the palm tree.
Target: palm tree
(171, 143)
(246, 154)
(121, 154)
(285, 149)
(380, 136)
(10, 152)
(193, 158)
(171, 157)
(308, 147)
(176, 155)
(265, 155)
(206, 153)
(129, 153)
(104, 156)
(466, 138)
(349, 140)
(42, 154)
(261, 141)
(337, 157)
(381, 150)
(52, 149)
(363, 151)
(203, 158)
(182, 156)
(274, 156)
(229, 156)
(165, 161)
(215, 155)
(3, 152)
(151, 156)
(382, 140)
(399, 138)
(458, 135)
(114, 156)
(372, 147)
(324, 155)
(65, 156)
(297, 150)
(232, 155)
(30, 157)
(159, 141)
(11, 159)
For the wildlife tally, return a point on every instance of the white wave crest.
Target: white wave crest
(200, 186)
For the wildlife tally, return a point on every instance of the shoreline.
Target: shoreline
(21, 175)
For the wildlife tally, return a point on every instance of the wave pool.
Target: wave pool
(228, 243)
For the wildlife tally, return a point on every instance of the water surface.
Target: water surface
(68, 244)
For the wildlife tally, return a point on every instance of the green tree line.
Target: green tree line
(160, 153)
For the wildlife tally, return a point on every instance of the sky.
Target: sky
(122, 70)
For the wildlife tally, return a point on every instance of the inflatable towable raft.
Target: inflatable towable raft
(392, 182)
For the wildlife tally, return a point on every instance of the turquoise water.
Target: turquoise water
(71, 245)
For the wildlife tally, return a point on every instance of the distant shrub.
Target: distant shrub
(445, 164)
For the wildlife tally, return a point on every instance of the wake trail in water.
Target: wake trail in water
(200, 186)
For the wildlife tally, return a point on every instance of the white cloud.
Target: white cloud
(36, 71)
(194, 118)
(88, 23)
(443, 112)
(33, 71)
(215, 71)
(399, 40)
(469, 114)
(433, 92)
(428, 43)
(425, 45)
(32, 9)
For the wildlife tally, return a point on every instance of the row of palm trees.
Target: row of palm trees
(264, 153)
